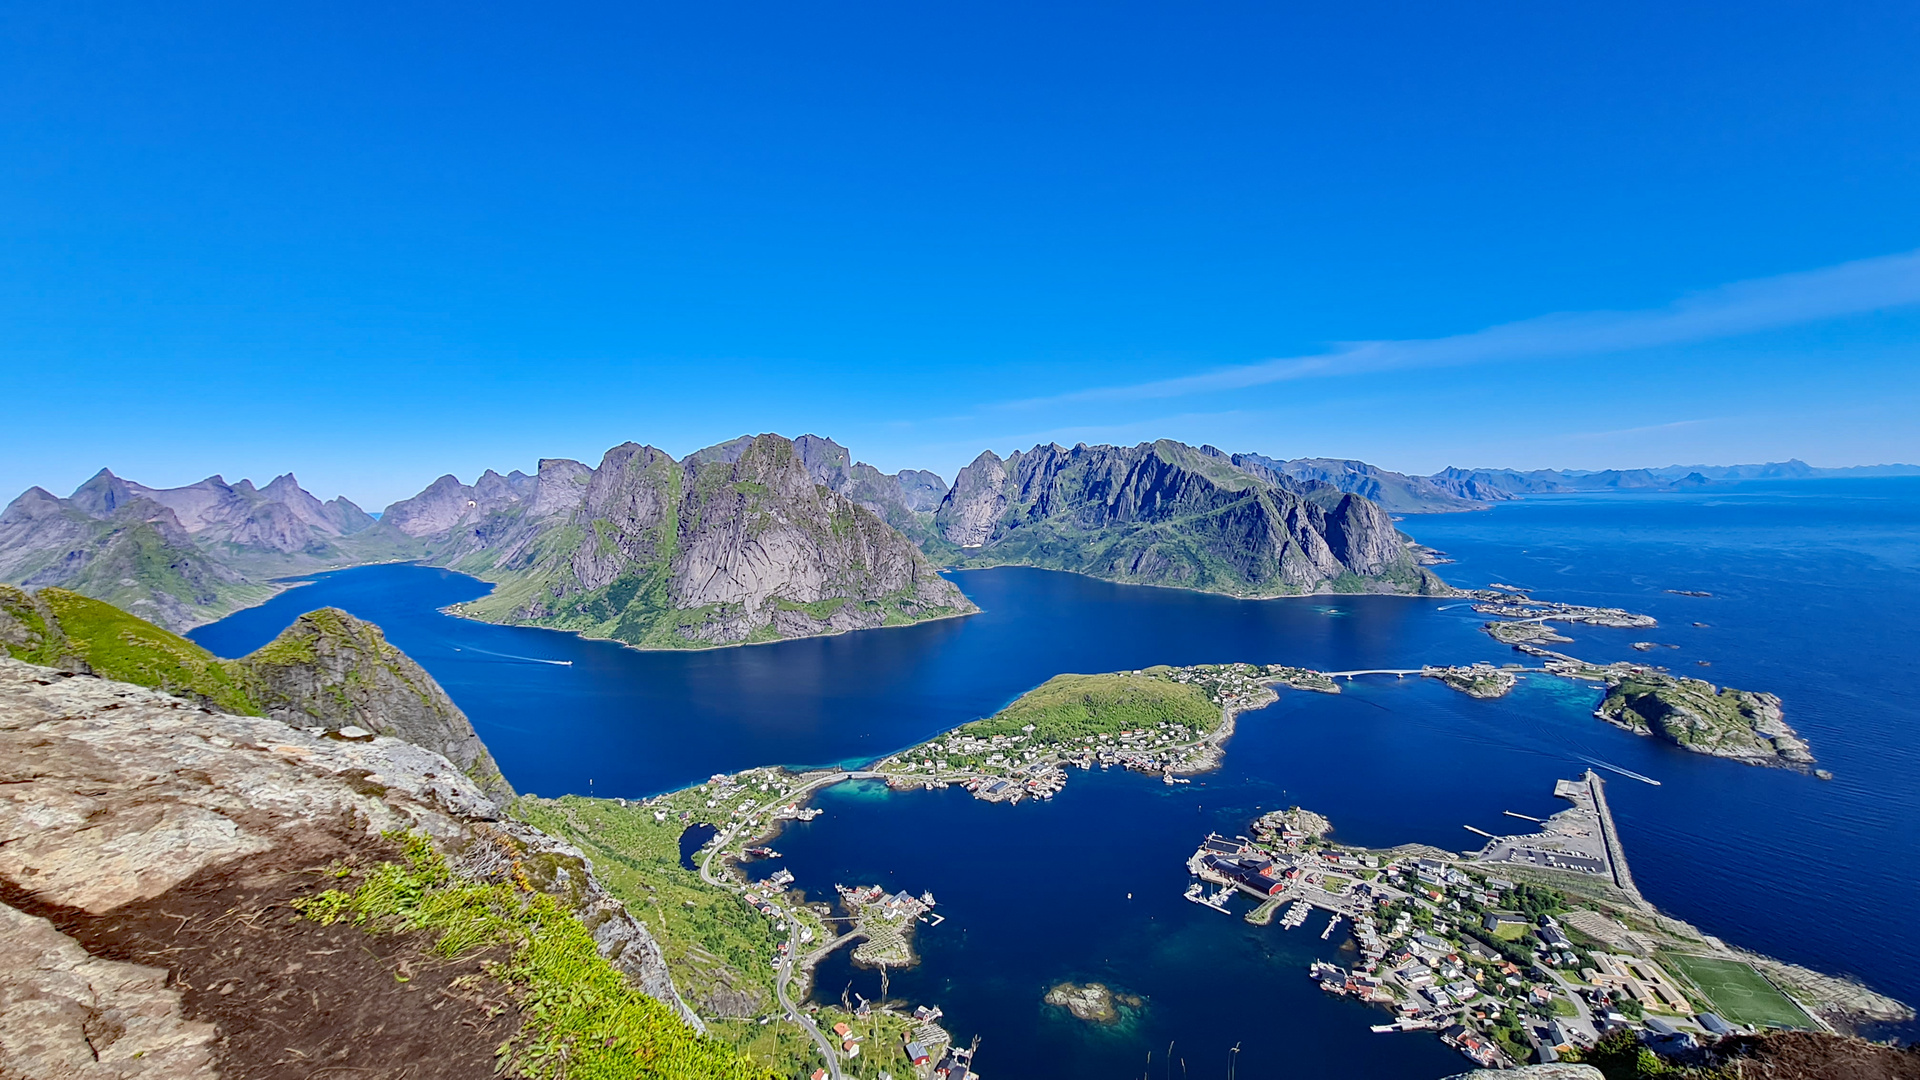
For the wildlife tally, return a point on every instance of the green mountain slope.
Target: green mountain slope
(1165, 513)
(739, 543)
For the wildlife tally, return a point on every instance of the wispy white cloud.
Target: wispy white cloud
(1744, 307)
(1645, 429)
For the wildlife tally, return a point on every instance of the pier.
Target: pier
(1616, 854)
(1262, 915)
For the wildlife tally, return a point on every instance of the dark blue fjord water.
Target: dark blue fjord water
(1814, 588)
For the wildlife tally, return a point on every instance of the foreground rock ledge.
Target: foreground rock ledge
(117, 799)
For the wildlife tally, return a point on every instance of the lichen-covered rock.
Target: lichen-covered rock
(330, 670)
(65, 1015)
(111, 793)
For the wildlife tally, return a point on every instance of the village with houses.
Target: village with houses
(1531, 947)
(1527, 950)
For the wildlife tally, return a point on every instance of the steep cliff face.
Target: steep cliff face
(904, 500)
(330, 671)
(741, 542)
(1170, 514)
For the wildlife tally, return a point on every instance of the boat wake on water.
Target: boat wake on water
(518, 659)
(1623, 772)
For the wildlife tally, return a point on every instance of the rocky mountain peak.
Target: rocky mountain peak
(330, 670)
(737, 541)
(826, 461)
(102, 494)
(1167, 513)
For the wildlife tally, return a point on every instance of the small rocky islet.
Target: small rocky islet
(1093, 1002)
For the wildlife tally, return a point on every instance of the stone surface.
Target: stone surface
(110, 792)
(65, 1015)
(334, 671)
(1558, 1070)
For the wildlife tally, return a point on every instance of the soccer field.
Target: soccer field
(1739, 993)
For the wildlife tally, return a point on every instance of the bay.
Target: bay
(1812, 585)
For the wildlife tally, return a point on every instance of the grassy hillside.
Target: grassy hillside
(68, 628)
(714, 943)
(582, 1018)
(1069, 707)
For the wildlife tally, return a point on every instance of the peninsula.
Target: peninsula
(1535, 947)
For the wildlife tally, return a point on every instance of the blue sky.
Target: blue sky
(372, 244)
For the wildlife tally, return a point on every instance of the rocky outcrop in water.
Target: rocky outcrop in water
(741, 542)
(1698, 716)
(1169, 514)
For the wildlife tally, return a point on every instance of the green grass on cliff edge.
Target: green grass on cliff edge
(1069, 707)
(581, 1019)
(120, 646)
(711, 939)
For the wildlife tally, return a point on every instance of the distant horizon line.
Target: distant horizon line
(1570, 472)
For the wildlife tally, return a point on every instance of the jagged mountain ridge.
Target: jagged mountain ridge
(179, 556)
(1165, 513)
(1392, 491)
(132, 552)
(740, 542)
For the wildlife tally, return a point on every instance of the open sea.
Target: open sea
(1814, 588)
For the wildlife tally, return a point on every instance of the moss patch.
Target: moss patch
(582, 1018)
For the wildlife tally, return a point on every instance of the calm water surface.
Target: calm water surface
(1814, 584)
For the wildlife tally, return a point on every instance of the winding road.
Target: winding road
(719, 844)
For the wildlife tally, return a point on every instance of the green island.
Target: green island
(1692, 714)
(1166, 720)
(1476, 680)
(1695, 714)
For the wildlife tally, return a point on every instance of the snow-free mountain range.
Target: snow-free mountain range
(764, 538)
